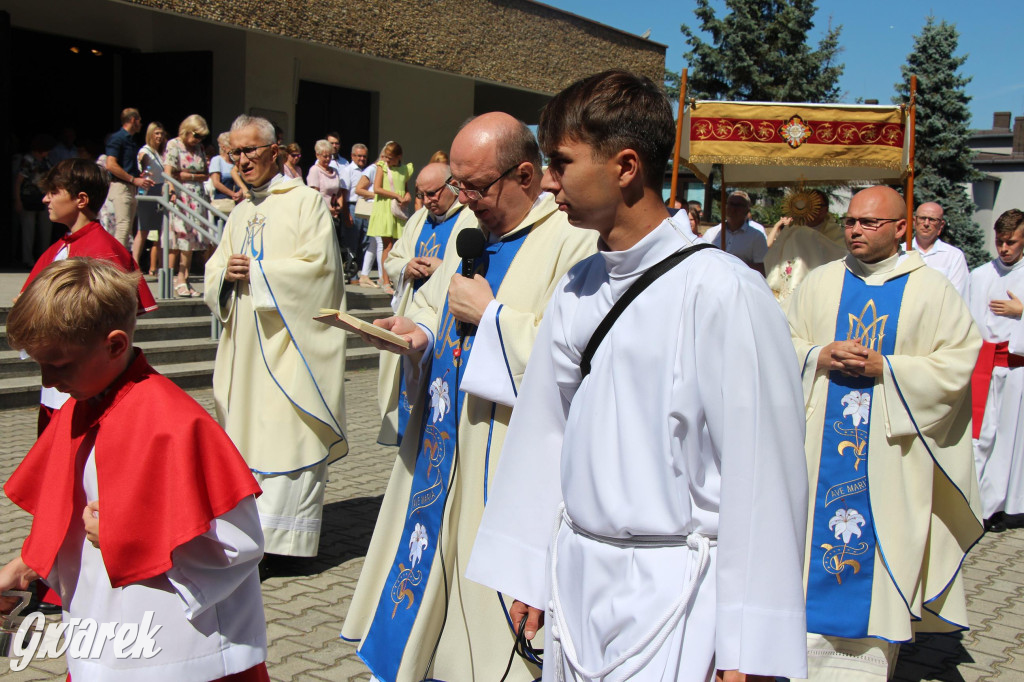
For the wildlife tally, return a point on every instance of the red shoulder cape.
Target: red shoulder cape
(165, 470)
(95, 242)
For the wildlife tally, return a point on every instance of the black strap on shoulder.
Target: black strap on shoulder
(645, 280)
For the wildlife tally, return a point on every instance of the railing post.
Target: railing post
(165, 278)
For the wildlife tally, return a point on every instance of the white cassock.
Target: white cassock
(278, 381)
(690, 423)
(797, 250)
(207, 609)
(999, 449)
(950, 261)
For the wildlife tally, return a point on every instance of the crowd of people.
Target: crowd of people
(669, 461)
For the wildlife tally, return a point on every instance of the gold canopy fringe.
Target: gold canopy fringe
(784, 161)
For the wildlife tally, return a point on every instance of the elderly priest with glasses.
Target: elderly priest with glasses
(887, 347)
(471, 327)
(278, 379)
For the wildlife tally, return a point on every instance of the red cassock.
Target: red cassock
(94, 242)
(165, 469)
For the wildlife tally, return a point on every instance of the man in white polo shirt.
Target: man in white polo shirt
(937, 254)
(742, 239)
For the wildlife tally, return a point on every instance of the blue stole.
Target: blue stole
(431, 242)
(384, 645)
(843, 540)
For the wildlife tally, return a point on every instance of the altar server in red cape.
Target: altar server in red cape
(75, 191)
(171, 565)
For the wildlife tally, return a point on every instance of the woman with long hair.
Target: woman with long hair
(151, 163)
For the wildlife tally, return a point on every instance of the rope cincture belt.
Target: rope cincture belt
(648, 645)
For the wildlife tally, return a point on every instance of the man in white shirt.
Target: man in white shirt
(673, 470)
(743, 238)
(349, 174)
(937, 254)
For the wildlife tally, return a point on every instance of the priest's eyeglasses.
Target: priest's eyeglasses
(867, 223)
(928, 220)
(478, 194)
(433, 193)
(251, 153)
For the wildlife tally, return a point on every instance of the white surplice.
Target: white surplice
(1000, 458)
(207, 609)
(690, 422)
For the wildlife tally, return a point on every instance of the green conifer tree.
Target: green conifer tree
(942, 156)
(759, 53)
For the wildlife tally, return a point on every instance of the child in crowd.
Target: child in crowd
(75, 192)
(174, 555)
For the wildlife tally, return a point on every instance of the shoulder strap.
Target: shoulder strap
(645, 280)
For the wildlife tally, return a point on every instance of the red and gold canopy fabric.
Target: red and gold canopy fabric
(772, 144)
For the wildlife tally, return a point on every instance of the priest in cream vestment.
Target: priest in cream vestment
(278, 381)
(887, 348)
(411, 261)
(799, 243)
(414, 614)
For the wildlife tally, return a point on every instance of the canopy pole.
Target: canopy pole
(910, 164)
(724, 198)
(679, 140)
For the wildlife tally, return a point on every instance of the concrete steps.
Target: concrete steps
(176, 340)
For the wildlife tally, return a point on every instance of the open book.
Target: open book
(336, 318)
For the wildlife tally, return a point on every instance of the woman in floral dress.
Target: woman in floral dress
(185, 161)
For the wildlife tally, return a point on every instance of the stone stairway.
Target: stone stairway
(176, 340)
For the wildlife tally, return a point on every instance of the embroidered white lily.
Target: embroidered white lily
(417, 543)
(846, 523)
(857, 406)
(440, 402)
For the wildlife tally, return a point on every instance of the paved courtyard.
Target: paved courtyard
(305, 610)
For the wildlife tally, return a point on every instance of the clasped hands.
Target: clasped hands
(851, 358)
(237, 269)
(421, 267)
(467, 300)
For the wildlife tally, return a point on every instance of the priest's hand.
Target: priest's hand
(421, 267)
(737, 676)
(1007, 308)
(534, 618)
(237, 269)
(15, 575)
(850, 357)
(468, 298)
(91, 518)
(404, 327)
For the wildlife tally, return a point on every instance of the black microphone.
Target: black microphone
(470, 246)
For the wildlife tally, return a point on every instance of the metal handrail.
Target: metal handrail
(199, 219)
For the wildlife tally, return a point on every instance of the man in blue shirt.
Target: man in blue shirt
(122, 152)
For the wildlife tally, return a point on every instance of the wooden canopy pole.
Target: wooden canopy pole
(724, 199)
(910, 165)
(679, 140)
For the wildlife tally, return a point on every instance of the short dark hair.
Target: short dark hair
(334, 134)
(612, 111)
(79, 175)
(1009, 221)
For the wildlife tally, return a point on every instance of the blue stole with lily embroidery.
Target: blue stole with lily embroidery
(384, 645)
(431, 243)
(843, 540)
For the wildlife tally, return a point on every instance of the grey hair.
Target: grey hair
(359, 145)
(323, 147)
(262, 125)
(742, 195)
(224, 139)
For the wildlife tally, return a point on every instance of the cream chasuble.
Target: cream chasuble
(278, 380)
(476, 638)
(404, 250)
(797, 250)
(923, 495)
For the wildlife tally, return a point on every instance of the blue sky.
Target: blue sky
(876, 37)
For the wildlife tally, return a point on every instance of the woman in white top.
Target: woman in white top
(151, 163)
